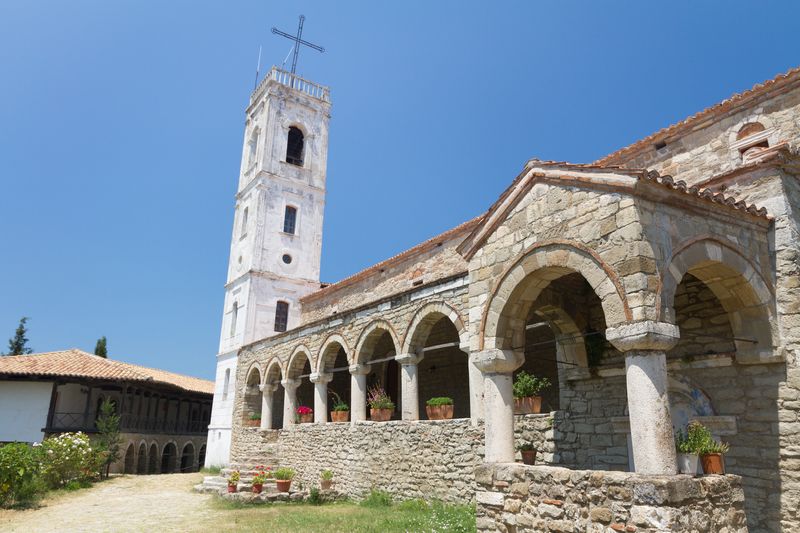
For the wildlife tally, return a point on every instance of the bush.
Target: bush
(529, 385)
(284, 474)
(70, 457)
(377, 498)
(19, 474)
(442, 400)
(313, 496)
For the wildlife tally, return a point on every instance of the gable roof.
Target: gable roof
(760, 91)
(76, 363)
(591, 176)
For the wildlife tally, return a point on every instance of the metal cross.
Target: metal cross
(297, 41)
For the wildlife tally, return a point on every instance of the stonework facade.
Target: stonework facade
(656, 286)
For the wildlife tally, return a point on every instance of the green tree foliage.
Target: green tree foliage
(18, 344)
(108, 439)
(100, 347)
(19, 474)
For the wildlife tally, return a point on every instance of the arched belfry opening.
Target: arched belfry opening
(295, 146)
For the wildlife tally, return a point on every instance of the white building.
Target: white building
(277, 231)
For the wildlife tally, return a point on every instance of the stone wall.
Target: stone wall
(156, 442)
(514, 497)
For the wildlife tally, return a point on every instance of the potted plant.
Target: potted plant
(711, 456)
(283, 478)
(305, 414)
(262, 475)
(688, 446)
(233, 481)
(440, 408)
(326, 479)
(526, 393)
(528, 452)
(381, 405)
(254, 420)
(341, 411)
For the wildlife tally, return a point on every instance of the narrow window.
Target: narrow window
(234, 317)
(244, 223)
(754, 147)
(252, 147)
(281, 316)
(226, 384)
(289, 219)
(294, 147)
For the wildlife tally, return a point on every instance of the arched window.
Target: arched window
(234, 317)
(226, 384)
(244, 223)
(252, 147)
(294, 147)
(752, 140)
(281, 316)
(289, 219)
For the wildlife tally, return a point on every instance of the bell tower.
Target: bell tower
(277, 229)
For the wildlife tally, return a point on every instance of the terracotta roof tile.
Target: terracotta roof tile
(79, 364)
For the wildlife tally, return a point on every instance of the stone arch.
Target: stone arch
(299, 368)
(201, 456)
(129, 465)
(152, 459)
(253, 375)
(736, 282)
(335, 354)
(252, 393)
(571, 349)
(187, 458)
(273, 376)
(370, 336)
(169, 457)
(274, 373)
(533, 271)
(297, 361)
(330, 349)
(141, 459)
(425, 318)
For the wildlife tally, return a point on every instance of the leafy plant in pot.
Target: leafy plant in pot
(305, 414)
(233, 481)
(381, 405)
(326, 479)
(254, 420)
(526, 393)
(440, 408)
(283, 479)
(688, 446)
(262, 475)
(528, 452)
(711, 456)
(340, 411)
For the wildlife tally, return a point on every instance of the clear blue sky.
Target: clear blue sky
(121, 129)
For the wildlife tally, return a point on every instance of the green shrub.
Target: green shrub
(284, 474)
(417, 505)
(19, 474)
(442, 400)
(529, 385)
(70, 457)
(327, 475)
(338, 403)
(313, 496)
(377, 498)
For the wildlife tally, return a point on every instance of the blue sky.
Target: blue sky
(121, 130)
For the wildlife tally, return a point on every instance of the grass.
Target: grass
(376, 514)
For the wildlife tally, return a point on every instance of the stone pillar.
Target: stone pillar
(644, 345)
(267, 392)
(358, 392)
(289, 401)
(409, 385)
(497, 367)
(320, 382)
(475, 391)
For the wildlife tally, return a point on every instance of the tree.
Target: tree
(100, 347)
(108, 439)
(18, 345)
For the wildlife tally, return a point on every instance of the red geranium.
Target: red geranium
(303, 410)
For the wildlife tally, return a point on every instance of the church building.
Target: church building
(653, 287)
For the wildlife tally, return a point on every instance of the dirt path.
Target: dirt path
(131, 503)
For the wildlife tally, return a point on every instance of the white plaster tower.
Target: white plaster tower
(277, 231)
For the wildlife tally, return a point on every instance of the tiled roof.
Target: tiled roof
(696, 121)
(79, 364)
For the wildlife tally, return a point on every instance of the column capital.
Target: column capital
(290, 384)
(408, 358)
(644, 336)
(496, 361)
(268, 387)
(359, 370)
(320, 377)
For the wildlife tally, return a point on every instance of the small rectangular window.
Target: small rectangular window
(244, 223)
(289, 219)
(281, 316)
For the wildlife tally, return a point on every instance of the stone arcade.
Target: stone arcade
(655, 286)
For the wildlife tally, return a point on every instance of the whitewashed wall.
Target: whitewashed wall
(23, 410)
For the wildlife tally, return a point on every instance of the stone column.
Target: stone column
(644, 345)
(409, 385)
(320, 382)
(267, 392)
(358, 392)
(497, 367)
(289, 401)
(475, 391)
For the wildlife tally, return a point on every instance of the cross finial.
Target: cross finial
(297, 41)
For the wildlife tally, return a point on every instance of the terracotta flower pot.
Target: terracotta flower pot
(252, 423)
(527, 405)
(283, 484)
(231, 488)
(380, 415)
(528, 456)
(340, 416)
(325, 484)
(712, 463)
(257, 487)
(439, 412)
(307, 418)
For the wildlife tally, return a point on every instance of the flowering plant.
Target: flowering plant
(304, 410)
(263, 473)
(233, 478)
(379, 399)
(70, 457)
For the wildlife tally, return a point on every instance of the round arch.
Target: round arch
(425, 318)
(369, 338)
(152, 459)
(297, 361)
(187, 458)
(169, 457)
(129, 466)
(253, 376)
(274, 373)
(501, 325)
(330, 349)
(141, 458)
